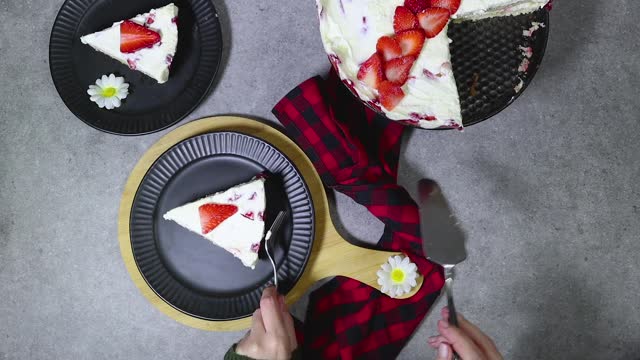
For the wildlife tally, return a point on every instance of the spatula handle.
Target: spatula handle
(448, 288)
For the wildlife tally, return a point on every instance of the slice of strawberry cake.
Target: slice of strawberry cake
(232, 219)
(145, 43)
(394, 54)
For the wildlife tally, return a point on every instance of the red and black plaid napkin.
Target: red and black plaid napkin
(356, 152)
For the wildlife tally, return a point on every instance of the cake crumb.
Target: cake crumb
(473, 89)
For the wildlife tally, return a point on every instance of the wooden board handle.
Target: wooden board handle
(332, 255)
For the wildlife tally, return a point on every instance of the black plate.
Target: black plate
(188, 271)
(150, 106)
(485, 55)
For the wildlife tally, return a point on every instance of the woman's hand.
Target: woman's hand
(467, 340)
(272, 335)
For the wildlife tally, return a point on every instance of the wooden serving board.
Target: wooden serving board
(331, 254)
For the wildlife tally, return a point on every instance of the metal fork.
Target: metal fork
(274, 228)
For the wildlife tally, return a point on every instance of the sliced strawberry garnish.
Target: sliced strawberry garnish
(212, 215)
(404, 19)
(389, 48)
(390, 94)
(134, 37)
(371, 71)
(397, 70)
(416, 5)
(433, 20)
(451, 5)
(411, 42)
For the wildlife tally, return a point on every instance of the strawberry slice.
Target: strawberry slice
(416, 6)
(371, 71)
(451, 5)
(390, 95)
(433, 20)
(404, 19)
(389, 48)
(134, 37)
(212, 215)
(397, 70)
(411, 42)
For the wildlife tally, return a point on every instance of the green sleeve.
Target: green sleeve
(232, 355)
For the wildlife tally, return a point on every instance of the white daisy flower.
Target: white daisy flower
(397, 276)
(109, 91)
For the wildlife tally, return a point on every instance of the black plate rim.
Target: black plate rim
(311, 210)
(179, 118)
(532, 73)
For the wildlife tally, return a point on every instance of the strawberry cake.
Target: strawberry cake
(394, 54)
(146, 43)
(232, 219)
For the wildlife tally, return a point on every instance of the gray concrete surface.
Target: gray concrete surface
(548, 192)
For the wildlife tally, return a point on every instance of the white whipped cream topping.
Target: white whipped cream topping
(480, 9)
(350, 30)
(153, 62)
(238, 234)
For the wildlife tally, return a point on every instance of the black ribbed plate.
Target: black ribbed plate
(150, 106)
(188, 271)
(486, 57)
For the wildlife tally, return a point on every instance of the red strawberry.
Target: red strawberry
(411, 42)
(433, 20)
(390, 94)
(371, 71)
(404, 19)
(134, 37)
(389, 48)
(451, 5)
(212, 215)
(416, 5)
(397, 70)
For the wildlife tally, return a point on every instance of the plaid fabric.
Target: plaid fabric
(356, 152)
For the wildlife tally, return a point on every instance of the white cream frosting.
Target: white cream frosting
(480, 9)
(154, 62)
(350, 30)
(238, 234)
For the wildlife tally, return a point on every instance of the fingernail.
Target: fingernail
(266, 292)
(443, 351)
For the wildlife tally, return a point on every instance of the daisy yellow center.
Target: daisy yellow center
(109, 92)
(397, 276)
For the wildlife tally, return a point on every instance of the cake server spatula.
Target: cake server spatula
(442, 238)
